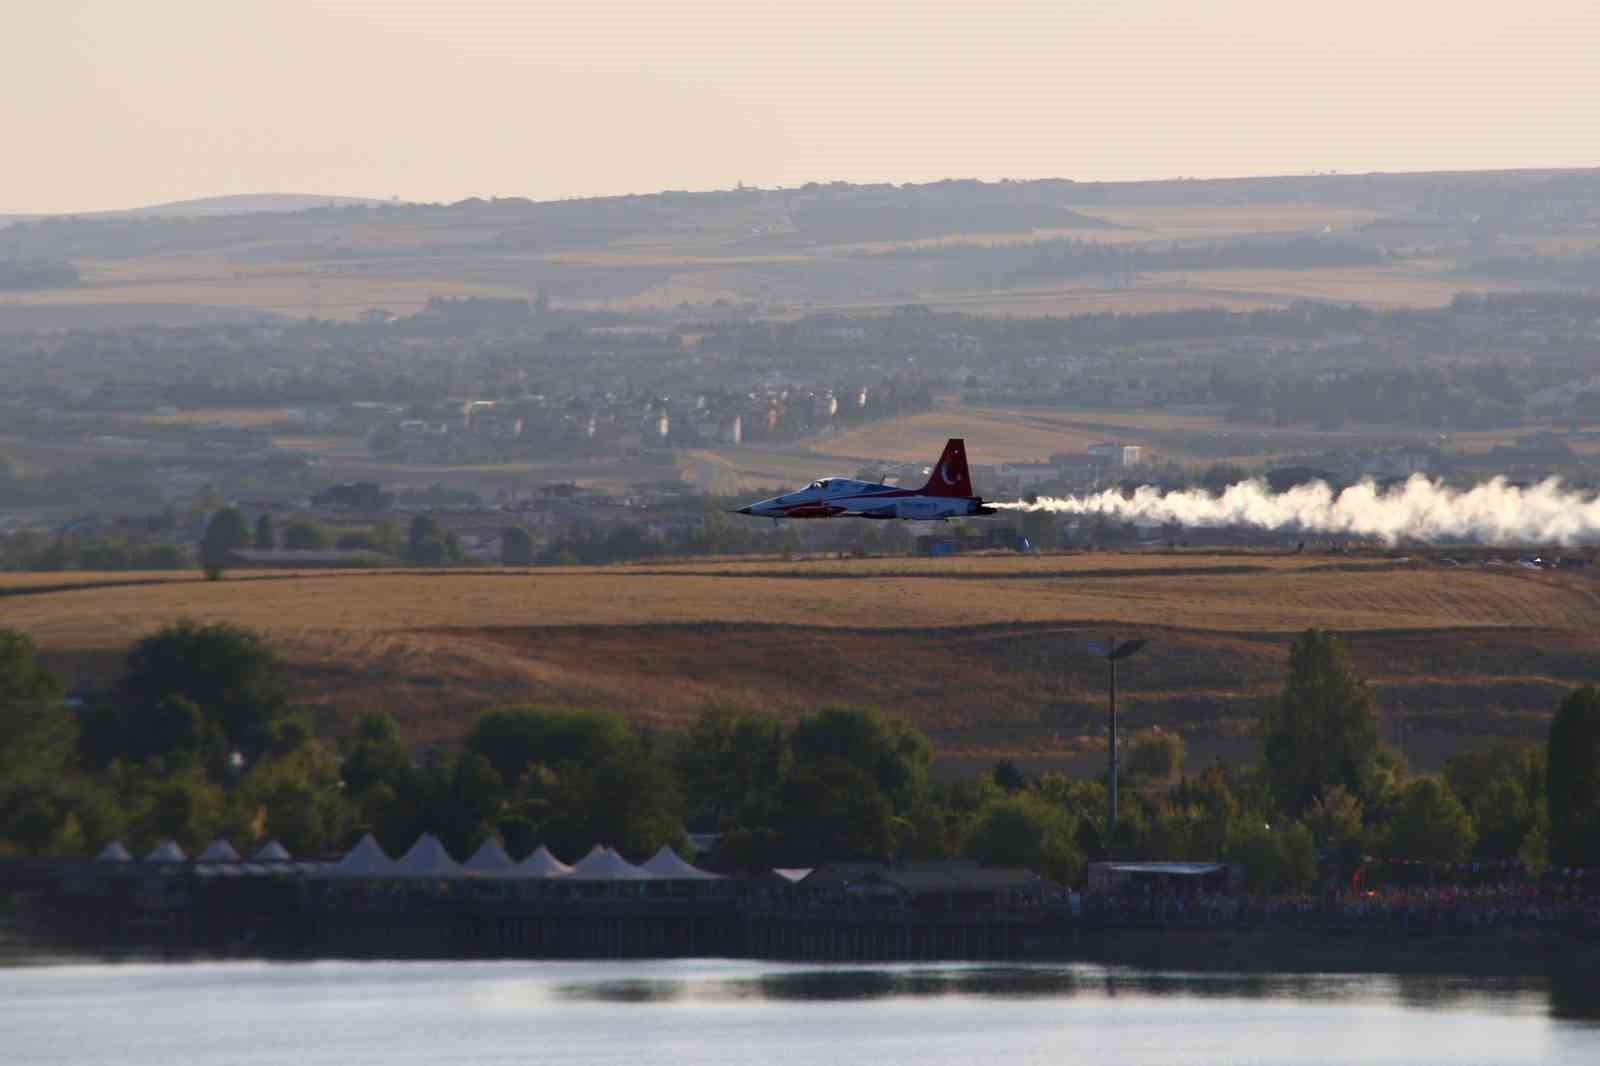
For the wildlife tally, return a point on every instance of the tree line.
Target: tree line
(199, 738)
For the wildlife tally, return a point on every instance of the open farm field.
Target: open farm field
(1029, 434)
(994, 435)
(1405, 286)
(1032, 434)
(986, 653)
(1075, 299)
(776, 252)
(1215, 221)
(232, 417)
(294, 292)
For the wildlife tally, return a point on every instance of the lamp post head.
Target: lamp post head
(1114, 651)
(1125, 649)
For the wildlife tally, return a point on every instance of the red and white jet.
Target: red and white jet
(948, 494)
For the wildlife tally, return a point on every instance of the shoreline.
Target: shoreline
(1501, 954)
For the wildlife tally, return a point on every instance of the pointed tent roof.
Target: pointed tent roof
(218, 850)
(366, 859)
(271, 851)
(603, 864)
(427, 858)
(542, 864)
(114, 852)
(167, 851)
(668, 865)
(490, 858)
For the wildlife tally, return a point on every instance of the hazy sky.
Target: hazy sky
(114, 103)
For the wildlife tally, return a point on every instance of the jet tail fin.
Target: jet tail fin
(951, 477)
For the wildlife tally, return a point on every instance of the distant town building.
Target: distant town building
(1020, 476)
(1113, 454)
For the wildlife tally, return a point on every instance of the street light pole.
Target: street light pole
(1111, 653)
(1111, 772)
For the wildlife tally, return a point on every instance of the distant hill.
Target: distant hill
(1025, 248)
(245, 204)
(212, 206)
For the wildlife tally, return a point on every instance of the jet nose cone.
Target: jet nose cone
(744, 510)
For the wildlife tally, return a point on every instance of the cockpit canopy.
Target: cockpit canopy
(835, 485)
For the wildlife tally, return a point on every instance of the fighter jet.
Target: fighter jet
(948, 494)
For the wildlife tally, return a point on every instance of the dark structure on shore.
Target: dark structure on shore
(426, 905)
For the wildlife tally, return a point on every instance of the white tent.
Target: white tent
(668, 865)
(114, 852)
(167, 851)
(427, 858)
(490, 858)
(366, 859)
(271, 851)
(603, 864)
(541, 864)
(218, 850)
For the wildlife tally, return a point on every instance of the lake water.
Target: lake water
(723, 1012)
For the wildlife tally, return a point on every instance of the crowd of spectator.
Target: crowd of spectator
(1414, 898)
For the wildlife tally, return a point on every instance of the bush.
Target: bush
(1430, 825)
(301, 535)
(1155, 755)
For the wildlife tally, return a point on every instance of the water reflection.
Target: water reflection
(1569, 996)
(1575, 995)
(711, 1012)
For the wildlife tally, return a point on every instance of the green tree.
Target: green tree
(1334, 819)
(629, 800)
(1025, 830)
(173, 729)
(1323, 729)
(730, 760)
(1430, 824)
(229, 672)
(1273, 860)
(292, 794)
(516, 738)
(55, 814)
(376, 754)
(430, 544)
(184, 807)
(516, 547)
(225, 532)
(1572, 780)
(1155, 755)
(1299, 850)
(1194, 820)
(460, 800)
(1006, 775)
(890, 751)
(46, 806)
(1502, 786)
(266, 538)
(303, 535)
(832, 809)
(36, 731)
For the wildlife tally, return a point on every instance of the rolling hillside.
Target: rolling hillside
(987, 248)
(985, 653)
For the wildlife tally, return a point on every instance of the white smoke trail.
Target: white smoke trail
(1493, 512)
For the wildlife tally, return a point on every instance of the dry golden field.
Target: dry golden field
(993, 435)
(1214, 222)
(298, 292)
(337, 269)
(1029, 434)
(986, 653)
